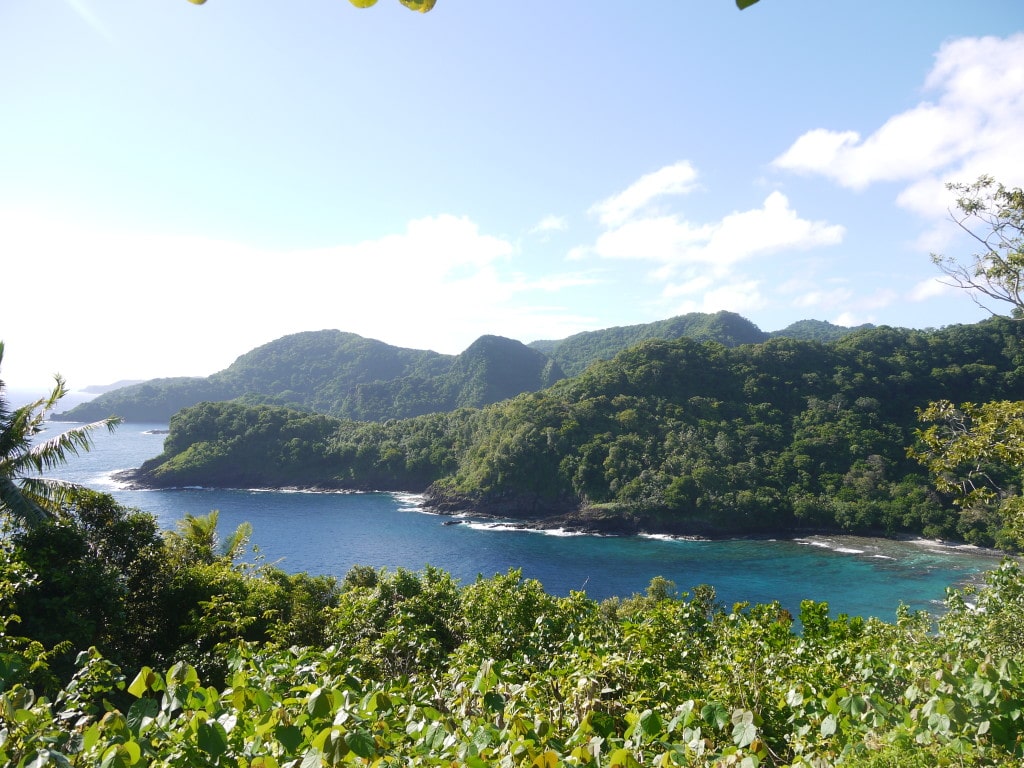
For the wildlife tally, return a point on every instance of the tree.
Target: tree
(993, 215)
(24, 494)
(196, 540)
(975, 452)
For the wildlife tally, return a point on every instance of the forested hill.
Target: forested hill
(671, 436)
(575, 353)
(349, 376)
(344, 375)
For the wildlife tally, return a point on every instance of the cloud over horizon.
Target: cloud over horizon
(971, 128)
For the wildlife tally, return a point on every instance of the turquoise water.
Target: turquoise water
(328, 533)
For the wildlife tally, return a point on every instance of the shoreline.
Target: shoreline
(585, 521)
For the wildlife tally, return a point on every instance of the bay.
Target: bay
(328, 533)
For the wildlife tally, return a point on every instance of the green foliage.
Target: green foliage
(975, 453)
(396, 624)
(99, 579)
(670, 681)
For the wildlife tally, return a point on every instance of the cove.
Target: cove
(328, 533)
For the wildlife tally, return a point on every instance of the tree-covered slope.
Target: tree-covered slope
(345, 375)
(817, 330)
(349, 376)
(669, 435)
(154, 400)
(580, 350)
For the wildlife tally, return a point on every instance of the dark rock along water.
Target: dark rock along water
(328, 533)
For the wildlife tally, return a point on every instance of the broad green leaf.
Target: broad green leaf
(89, 738)
(142, 682)
(212, 737)
(650, 723)
(716, 714)
(494, 701)
(482, 738)
(319, 704)
(362, 743)
(741, 4)
(622, 758)
(828, 725)
(289, 735)
(48, 757)
(116, 756)
(602, 723)
(336, 747)
(743, 734)
(141, 713)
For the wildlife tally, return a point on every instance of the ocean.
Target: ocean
(328, 533)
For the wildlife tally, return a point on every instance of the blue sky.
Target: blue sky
(180, 183)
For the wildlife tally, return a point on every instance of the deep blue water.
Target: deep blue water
(328, 533)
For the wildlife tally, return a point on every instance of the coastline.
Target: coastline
(561, 518)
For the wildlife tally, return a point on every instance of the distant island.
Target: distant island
(100, 389)
(669, 436)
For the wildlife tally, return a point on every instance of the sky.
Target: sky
(180, 184)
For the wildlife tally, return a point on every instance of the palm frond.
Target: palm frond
(23, 493)
(57, 450)
(48, 494)
(20, 506)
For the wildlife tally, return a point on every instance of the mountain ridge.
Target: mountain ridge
(346, 375)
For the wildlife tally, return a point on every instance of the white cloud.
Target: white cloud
(664, 239)
(823, 298)
(738, 297)
(973, 127)
(849, 319)
(737, 237)
(700, 261)
(677, 179)
(929, 289)
(145, 305)
(551, 223)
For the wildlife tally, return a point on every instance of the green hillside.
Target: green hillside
(671, 436)
(578, 351)
(349, 376)
(344, 375)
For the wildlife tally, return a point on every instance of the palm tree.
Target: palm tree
(196, 540)
(24, 494)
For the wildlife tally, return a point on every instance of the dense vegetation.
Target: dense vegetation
(348, 376)
(670, 436)
(189, 655)
(123, 646)
(344, 375)
(575, 353)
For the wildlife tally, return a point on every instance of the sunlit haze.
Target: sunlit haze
(180, 184)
